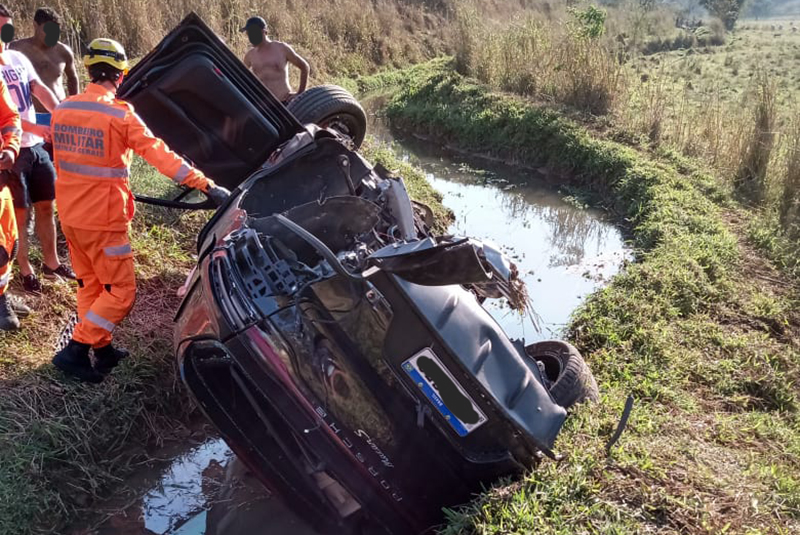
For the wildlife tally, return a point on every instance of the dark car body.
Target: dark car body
(333, 342)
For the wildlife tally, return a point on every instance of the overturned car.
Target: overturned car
(339, 347)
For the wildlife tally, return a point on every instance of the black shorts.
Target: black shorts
(33, 177)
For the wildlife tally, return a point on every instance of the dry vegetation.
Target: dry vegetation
(338, 36)
(731, 107)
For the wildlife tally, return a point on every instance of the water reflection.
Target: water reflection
(564, 251)
(205, 490)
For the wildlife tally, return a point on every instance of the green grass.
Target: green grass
(63, 445)
(766, 232)
(391, 78)
(707, 348)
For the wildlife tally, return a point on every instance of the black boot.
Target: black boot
(107, 358)
(8, 319)
(74, 360)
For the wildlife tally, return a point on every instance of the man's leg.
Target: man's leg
(89, 286)
(45, 225)
(18, 183)
(41, 183)
(23, 223)
(112, 261)
(74, 359)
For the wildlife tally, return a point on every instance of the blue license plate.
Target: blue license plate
(444, 392)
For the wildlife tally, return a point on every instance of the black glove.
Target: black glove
(218, 195)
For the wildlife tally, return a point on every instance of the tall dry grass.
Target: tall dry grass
(789, 186)
(542, 56)
(338, 37)
(737, 139)
(751, 176)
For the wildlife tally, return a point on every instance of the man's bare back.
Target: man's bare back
(51, 63)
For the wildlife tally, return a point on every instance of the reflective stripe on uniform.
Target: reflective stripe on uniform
(100, 321)
(118, 250)
(4, 279)
(182, 173)
(94, 170)
(93, 106)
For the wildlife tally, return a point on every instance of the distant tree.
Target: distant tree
(725, 10)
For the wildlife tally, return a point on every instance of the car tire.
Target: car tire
(331, 106)
(569, 377)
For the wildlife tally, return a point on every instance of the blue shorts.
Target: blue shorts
(33, 177)
(45, 119)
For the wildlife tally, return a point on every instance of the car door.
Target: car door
(196, 95)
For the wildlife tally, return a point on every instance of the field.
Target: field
(729, 108)
(696, 331)
(690, 138)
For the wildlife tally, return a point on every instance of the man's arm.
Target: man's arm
(40, 130)
(44, 95)
(295, 59)
(246, 59)
(73, 85)
(10, 129)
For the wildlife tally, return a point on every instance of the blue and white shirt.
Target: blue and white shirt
(18, 74)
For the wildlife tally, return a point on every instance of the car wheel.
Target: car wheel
(567, 375)
(331, 106)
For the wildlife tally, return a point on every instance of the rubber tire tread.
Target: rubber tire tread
(319, 102)
(575, 383)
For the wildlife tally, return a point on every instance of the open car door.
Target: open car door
(196, 95)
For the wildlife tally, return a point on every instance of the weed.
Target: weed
(789, 206)
(569, 66)
(751, 176)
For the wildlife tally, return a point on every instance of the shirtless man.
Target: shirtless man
(269, 60)
(51, 58)
(32, 179)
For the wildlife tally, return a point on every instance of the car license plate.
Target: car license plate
(444, 392)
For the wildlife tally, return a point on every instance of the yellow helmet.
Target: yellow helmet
(106, 51)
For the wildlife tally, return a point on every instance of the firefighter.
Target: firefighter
(94, 138)
(11, 132)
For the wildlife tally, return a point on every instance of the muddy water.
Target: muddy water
(202, 490)
(563, 251)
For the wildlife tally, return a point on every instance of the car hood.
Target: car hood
(196, 95)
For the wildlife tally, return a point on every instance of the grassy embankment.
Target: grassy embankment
(730, 108)
(64, 445)
(735, 107)
(700, 330)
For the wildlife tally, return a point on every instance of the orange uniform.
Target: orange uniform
(94, 138)
(10, 131)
